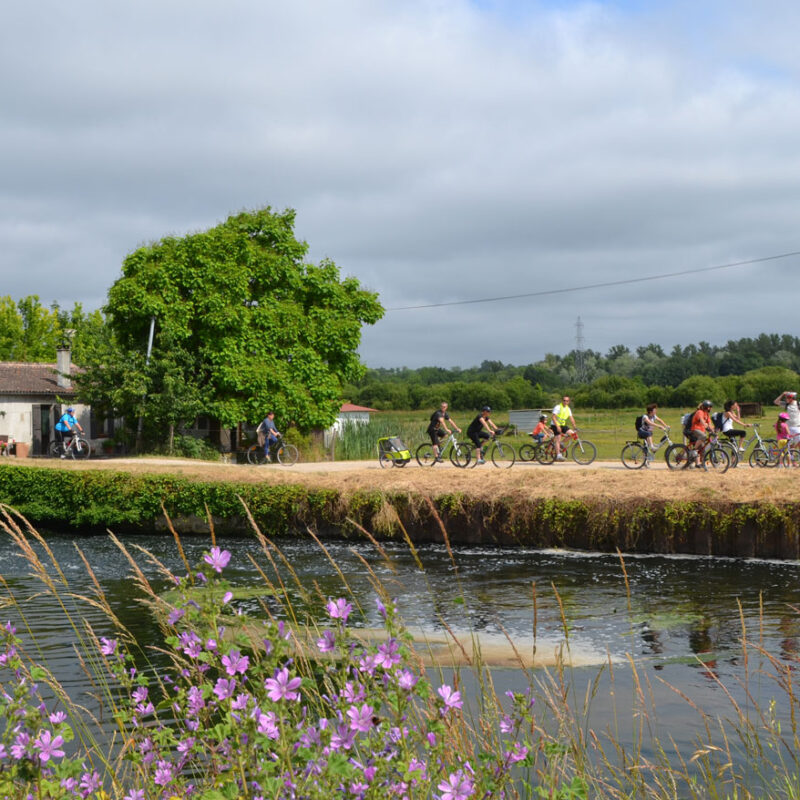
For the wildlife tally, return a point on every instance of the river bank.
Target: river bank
(751, 513)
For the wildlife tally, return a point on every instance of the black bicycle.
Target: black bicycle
(285, 454)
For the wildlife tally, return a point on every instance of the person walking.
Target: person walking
(563, 423)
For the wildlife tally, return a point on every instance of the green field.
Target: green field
(608, 429)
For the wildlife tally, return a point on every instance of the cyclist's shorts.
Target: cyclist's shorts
(436, 434)
(476, 438)
(538, 437)
(642, 433)
(697, 436)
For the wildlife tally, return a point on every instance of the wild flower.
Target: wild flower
(218, 559)
(282, 687)
(451, 699)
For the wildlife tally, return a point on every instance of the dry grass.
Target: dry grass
(603, 480)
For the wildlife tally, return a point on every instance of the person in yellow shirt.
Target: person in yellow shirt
(563, 422)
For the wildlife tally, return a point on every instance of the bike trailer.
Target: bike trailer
(393, 449)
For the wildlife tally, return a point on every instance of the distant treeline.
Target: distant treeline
(756, 369)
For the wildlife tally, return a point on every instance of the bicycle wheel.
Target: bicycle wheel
(80, 449)
(759, 458)
(733, 453)
(503, 455)
(54, 449)
(460, 455)
(774, 453)
(385, 460)
(401, 462)
(791, 458)
(677, 456)
(717, 459)
(255, 455)
(424, 455)
(633, 456)
(546, 454)
(527, 452)
(583, 452)
(287, 454)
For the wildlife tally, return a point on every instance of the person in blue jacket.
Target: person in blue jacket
(65, 429)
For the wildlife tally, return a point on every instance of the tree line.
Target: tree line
(748, 369)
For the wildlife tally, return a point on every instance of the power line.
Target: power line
(695, 271)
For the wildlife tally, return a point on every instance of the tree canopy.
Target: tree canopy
(243, 325)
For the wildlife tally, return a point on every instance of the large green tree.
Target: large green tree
(243, 325)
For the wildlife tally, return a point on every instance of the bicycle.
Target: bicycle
(712, 454)
(536, 450)
(459, 453)
(635, 454)
(501, 454)
(581, 451)
(76, 448)
(284, 453)
(765, 453)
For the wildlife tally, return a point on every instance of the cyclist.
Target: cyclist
(270, 432)
(700, 429)
(646, 423)
(789, 402)
(65, 429)
(480, 429)
(730, 415)
(561, 415)
(541, 431)
(437, 428)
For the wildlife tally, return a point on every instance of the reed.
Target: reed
(296, 703)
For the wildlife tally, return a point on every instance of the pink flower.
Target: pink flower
(235, 662)
(451, 699)
(218, 559)
(406, 680)
(224, 689)
(327, 642)
(107, 646)
(339, 609)
(48, 746)
(360, 718)
(456, 787)
(281, 687)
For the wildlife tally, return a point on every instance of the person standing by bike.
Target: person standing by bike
(437, 428)
(700, 429)
(270, 433)
(480, 429)
(65, 429)
(563, 422)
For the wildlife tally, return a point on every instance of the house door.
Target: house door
(42, 419)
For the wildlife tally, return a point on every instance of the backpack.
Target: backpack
(686, 421)
(717, 419)
(638, 422)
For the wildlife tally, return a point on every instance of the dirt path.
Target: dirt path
(602, 479)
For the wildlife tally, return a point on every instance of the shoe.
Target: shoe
(741, 449)
(63, 456)
(559, 457)
(439, 460)
(481, 461)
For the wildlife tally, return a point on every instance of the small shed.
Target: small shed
(349, 414)
(524, 420)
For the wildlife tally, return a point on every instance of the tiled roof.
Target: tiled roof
(351, 407)
(21, 378)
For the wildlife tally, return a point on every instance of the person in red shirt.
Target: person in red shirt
(542, 430)
(700, 429)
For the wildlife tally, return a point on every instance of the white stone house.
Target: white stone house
(33, 397)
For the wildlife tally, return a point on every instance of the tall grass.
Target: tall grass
(295, 703)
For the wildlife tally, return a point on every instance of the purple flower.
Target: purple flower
(518, 753)
(281, 687)
(327, 642)
(451, 699)
(339, 609)
(381, 607)
(227, 598)
(195, 701)
(134, 794)
(235, 662)
(388, 654)
(57, 717)
(353, 693)
(406, 680)
(163, 774)
(268, 725)
(456, 787)
(224, 688)
(342, 738)
(90, 782)
(175, 615)
(48, 745)
(218, 559)
(108, 646)
(360, 718)
(20, 747)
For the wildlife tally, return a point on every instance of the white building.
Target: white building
(33, 397)
(349, 414)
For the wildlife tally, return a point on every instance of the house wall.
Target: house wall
(17, 423)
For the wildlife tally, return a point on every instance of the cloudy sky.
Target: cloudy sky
(438, 150)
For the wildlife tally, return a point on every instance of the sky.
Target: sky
(438, 150)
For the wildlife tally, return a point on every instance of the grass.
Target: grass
(239, 714)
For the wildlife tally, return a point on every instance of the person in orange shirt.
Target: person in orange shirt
(700, 430)
(542, 430)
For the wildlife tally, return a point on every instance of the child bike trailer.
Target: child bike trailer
(392, 452)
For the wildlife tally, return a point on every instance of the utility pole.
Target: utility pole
(140, 426)
(579, 365)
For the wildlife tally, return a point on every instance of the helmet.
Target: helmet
(706, 404)
(486, 408)
(70, 410)
(791, 394)
(783, 415)
(542, 417)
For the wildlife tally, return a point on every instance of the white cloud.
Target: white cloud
(436, 150)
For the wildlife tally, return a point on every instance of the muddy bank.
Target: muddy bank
(753, 513)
